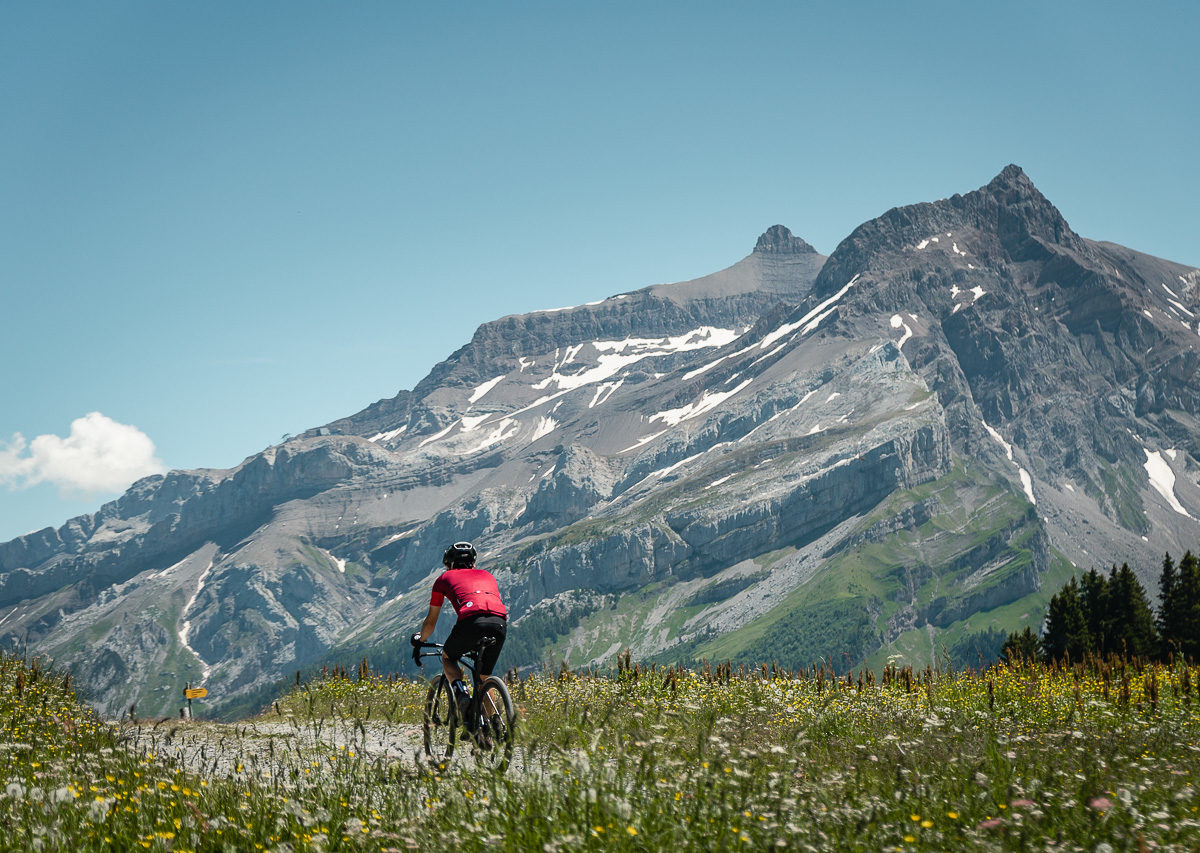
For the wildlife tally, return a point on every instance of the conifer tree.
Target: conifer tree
(1187, 606)
(1130, 622)
(1167, 619)
(1023, 646)
(1066, 625)
(1095, 600)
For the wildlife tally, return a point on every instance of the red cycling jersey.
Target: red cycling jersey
(472, 592)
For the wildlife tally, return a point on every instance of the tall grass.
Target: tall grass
(638, 759)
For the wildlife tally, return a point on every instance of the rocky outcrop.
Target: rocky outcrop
(610, 555)
(578, 481)
(163, 518)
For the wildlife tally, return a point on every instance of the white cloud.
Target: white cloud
(100, 455)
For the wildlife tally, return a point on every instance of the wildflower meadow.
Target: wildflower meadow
(1102, 756)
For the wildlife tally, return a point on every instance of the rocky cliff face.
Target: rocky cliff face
(795, 457)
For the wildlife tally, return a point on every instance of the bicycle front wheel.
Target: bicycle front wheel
(499, 724)
(441, 720)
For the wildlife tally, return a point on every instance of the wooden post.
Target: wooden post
(190, 693)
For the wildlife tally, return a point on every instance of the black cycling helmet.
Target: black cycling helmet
(460, 555)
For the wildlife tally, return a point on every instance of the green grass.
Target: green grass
(846, 608)
(915, 648)
(604, 627)
(878, 577)
(639, 759)
(1120, 497)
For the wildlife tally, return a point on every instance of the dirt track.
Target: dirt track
(266, 748)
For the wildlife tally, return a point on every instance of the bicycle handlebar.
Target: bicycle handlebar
(417, 645)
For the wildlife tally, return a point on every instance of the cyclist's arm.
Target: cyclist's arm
(430, 621)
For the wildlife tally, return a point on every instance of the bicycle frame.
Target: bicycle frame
(470, 660)
(489, 719)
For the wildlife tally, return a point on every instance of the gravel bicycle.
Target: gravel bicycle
(489, 721)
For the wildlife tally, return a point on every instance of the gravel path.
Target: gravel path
(283, 750)
(266, 748)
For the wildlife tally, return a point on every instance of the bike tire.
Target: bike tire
(501, 727)
(440, 720)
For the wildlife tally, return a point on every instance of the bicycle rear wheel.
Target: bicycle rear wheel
(441, 720)
(500, 720)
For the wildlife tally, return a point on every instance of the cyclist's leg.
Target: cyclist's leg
(489, 707)
(496, 628)
(463, 637)
(452, 668)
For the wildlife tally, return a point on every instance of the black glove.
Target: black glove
(416, 647)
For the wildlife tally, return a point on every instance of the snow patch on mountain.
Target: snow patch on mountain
(618, 355)
(897, 322)
(482, 390)
(1181, 308)
(665, 471)
(976, 292)
(545, 426)
(1162, 479)
(169, 569)
(816, 321)
(692, 374)
(185, 627)
(396, 537)
(472, 422)
(389, 435)
(645, 439)
(437, 435)
(810, 320)
(1026, 484)
(605, 391)
(1026, 479)
(708, 400)
(337, 561)
(503, 431)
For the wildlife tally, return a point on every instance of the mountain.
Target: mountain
(899, 449)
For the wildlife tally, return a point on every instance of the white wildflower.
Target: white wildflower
(61, 795)
(98, 810)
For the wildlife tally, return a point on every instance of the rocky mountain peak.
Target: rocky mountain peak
(778, 240)
(1009, 219)
(1019, 212)
(1012, 175)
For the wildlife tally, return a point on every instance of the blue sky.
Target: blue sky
(224, 222)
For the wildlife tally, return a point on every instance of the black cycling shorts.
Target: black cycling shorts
(465, 636)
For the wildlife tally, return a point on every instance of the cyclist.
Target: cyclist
(481, 613)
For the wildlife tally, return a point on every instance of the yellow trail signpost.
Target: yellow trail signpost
(190, 693)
